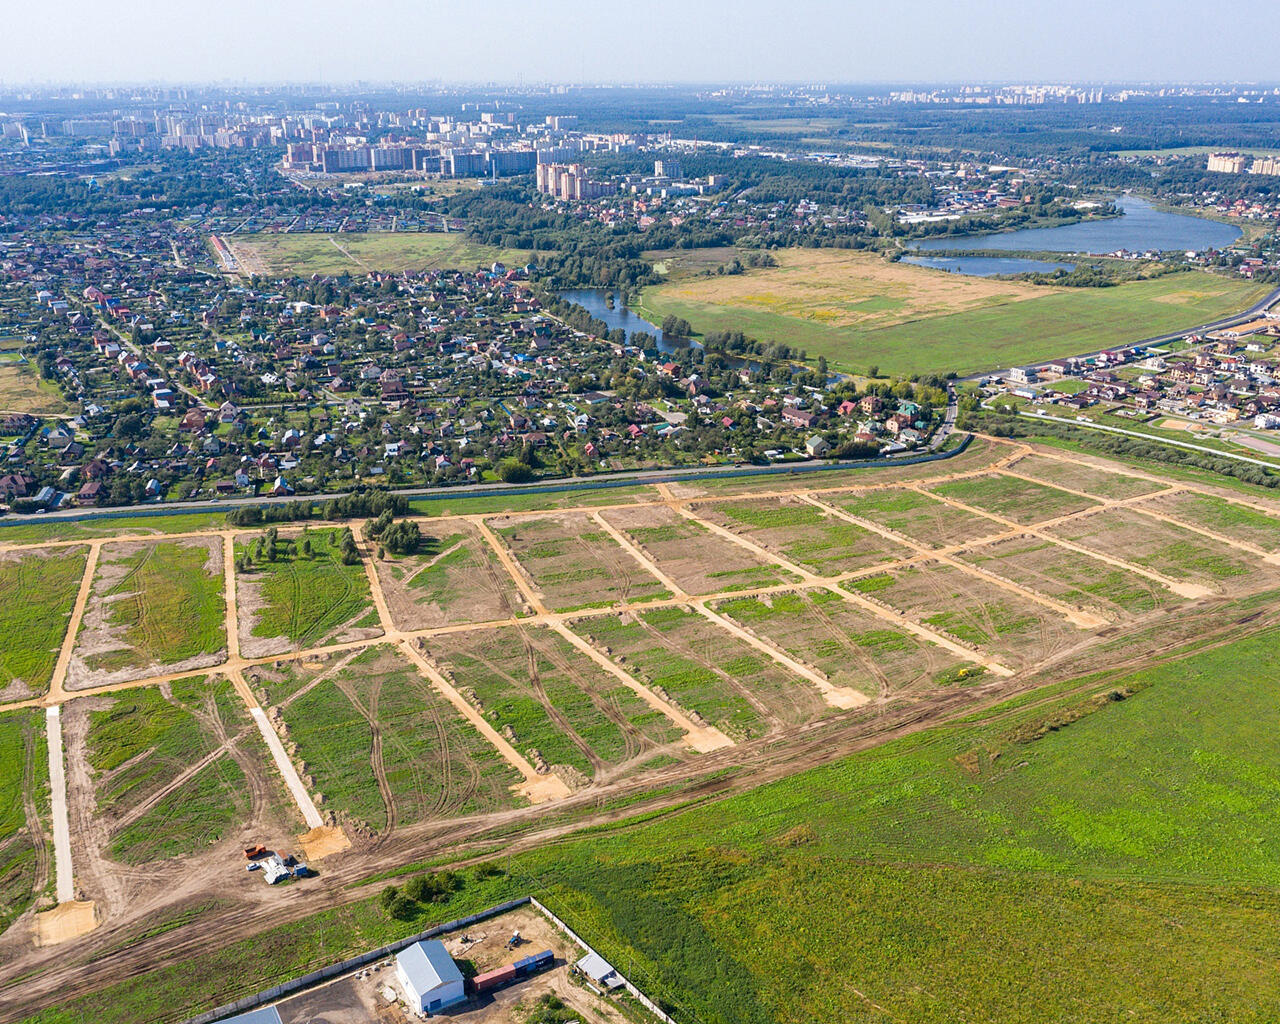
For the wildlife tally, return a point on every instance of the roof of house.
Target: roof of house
(262, 1015)
(428, 966)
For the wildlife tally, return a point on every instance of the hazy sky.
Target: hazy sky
(636, 40)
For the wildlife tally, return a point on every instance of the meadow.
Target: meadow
(860, 311)
(915, 515)
(1067, 861)
(162, 787)
(1020, 500)
(37, 592)
(302, 600)
(26, 855)
(307, 253)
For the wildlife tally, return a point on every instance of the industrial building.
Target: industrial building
(430, 978)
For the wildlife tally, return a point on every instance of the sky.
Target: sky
(812, 41)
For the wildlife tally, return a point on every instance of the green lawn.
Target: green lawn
(1061, 322)
(1087, 860)
(37, 592)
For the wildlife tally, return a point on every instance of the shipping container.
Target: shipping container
(536, 962)
(490, 980)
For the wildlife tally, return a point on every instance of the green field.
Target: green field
(304, 599)
(382, 745)
(905, 337)
(142, 749)
(161, 603)
(26, 532)
(1088, 860)
(26, 859)
(1020, 500)
(307, 253)
(37, 592)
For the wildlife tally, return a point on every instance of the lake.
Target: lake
(987, 266)
(592, 300)
(1142, 227)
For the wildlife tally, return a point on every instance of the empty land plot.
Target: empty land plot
(166, 765)
(379, 745)
(552, 702)
(307, 253)
(37, 592)
(851, 647)
(1167, 549)
(574, 563)
(915, 515)
(717, 678)
(1013, 629)
(26, 852)
(301, 600)
(1020, 500)
(803, 534)
(155, 607)
(457, 579)
(1040, 565)
(695, 558)
(1209, 512)
(1084, 476)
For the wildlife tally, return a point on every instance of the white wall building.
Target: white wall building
(430, 978)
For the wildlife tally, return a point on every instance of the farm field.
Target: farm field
(915, 515)
(301, 600)
(307, 253)
(26, 856)
(574, 563)
(803, 535)
(859, 310)
(466, 733)
(37, 592)
(1007, 496)
(712, 675)
(379, 745)
(553, 703)
(851, 647)
(173, 770)
(458, 578)
(1170, 550)
(698, 561)
(972, 609)
(155, 607)
(1040, 565)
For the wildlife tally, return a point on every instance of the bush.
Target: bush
(512, 472)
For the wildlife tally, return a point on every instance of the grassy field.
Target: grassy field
(1237, 522)
(161, 603)
(381, 745)
(141, 749)
(549, 698)
(22, 390)
(13, 532)
(26, 859)
(1069, 862)
(915, 515)
(37, 592)
(860, 311)
(1007, 496)
(306, 600)
(307, 253)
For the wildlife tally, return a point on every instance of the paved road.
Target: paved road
(1149, 437)
(1230, 321)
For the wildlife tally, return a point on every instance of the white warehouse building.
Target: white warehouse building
(430, 978)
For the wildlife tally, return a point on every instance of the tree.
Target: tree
(511, 471)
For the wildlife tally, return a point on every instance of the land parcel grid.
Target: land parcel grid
(848, 645)
(713, 676)
(173, 769)
(915, 516)
(376, 743)
(802, 534)
(1234, 521)
(971, 609)
(457, 579)
(155, 607)
(694, 558)
(1088, 477)
(574, 563)
(1012, 498)
(553, 703)
(1191, 562)
(37, 592)
(26, 852)
(303, 597)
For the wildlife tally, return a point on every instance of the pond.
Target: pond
(987, 266)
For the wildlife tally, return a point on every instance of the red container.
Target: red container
(490, 980)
